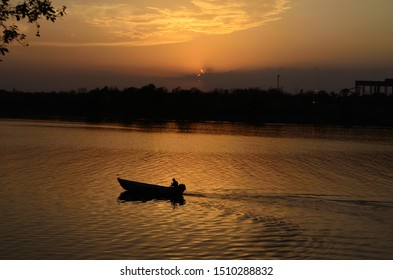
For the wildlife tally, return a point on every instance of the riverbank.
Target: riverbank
(240, 105)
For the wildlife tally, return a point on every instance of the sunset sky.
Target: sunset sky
(311, 44)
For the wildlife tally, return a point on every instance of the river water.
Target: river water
(253, 192)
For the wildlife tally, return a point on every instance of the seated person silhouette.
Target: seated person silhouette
(174, 184)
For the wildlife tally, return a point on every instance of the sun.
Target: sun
(201, 73)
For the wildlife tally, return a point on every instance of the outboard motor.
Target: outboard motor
(181, 188)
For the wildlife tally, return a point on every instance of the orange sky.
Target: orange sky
(238, 43)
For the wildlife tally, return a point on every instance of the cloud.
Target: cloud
(155, 22)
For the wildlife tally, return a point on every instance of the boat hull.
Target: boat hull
(149, 189)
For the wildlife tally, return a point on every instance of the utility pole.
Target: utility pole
(278, 82)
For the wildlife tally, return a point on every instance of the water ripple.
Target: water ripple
(249, 196)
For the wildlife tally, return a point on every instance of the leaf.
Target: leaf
(4, 50)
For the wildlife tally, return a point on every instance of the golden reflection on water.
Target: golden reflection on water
(252, 192)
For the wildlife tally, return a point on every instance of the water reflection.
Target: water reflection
(128, 196)
(272, 192)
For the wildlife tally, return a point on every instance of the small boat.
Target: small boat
(151, 190)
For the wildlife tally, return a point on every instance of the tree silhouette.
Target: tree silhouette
(151, 103)
(30, 10)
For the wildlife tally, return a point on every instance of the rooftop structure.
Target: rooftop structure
(371, 87)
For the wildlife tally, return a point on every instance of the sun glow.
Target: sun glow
(201, 73)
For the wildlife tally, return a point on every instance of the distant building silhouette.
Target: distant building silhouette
(371, 87)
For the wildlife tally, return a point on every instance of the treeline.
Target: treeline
(159, 104)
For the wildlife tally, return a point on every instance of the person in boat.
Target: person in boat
(174, 184)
